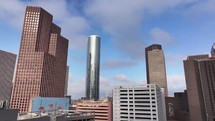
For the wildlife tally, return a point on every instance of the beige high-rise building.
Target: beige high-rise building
(155, 66)
(42, 61)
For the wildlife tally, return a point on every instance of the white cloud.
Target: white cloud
(122, 78)
(118, 63)
(175, 59)
(176, 83)
(12, 12)
(123, 21)
(161, 36)
(76, 88)
(199, 7)
(58, 8)
(74, 27)
(106, 86)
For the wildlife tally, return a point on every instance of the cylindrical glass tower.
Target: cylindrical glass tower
(213, 50)
(93, 63)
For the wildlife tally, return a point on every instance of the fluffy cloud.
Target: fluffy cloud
(199, 7)
(118, 63)
(122, 78)
(123, 21)
(175, 59)
(76, 88)
(161, 36)
(58, 8)
(12, 12)
(176, 83)
(74, 26)
(106, 86)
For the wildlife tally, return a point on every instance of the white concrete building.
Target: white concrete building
(139, 103)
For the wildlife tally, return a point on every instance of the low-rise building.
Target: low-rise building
(139, 103)
(13, 115)
(102, 108)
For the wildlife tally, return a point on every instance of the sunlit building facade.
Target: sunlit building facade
(42, 61)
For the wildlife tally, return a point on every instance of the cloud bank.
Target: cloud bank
(176, 83)
(122, 20)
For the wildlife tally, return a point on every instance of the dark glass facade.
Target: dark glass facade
(41, 67)
(7, 65)
(93, 63)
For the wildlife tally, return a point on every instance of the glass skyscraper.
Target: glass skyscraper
(92, 77)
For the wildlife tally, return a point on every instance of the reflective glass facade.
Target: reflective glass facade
(92, 77)
(213, 50)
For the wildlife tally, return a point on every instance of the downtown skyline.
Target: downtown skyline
(182, 28)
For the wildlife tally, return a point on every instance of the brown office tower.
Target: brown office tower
(200, 80)
(41, 68)
(155, 66)
(7, 65)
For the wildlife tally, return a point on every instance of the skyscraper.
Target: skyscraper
(200, 81)
(155, 66)
(41, 67)
(7, 65)
(213, 50)
(93, 62)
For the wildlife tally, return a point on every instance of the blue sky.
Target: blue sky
(126, 27)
